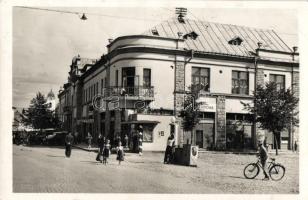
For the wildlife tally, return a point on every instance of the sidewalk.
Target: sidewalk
(94, 148)
(84, 146)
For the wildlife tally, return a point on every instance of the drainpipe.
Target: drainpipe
(256, 58)
(291, 139)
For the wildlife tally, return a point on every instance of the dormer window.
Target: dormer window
(155, 32)
(236, 41)
(192, 35)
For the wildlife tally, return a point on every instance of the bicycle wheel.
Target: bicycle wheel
(277, 172)
(251, 171)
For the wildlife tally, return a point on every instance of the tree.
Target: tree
(190, 112)
(274, 109)
(38, 115)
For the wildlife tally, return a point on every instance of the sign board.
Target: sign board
(207, 104)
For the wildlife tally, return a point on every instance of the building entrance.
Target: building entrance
(199, 138)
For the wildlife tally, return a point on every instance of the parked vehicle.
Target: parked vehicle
(57, 138)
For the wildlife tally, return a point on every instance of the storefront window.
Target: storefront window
(239, 131)
(147, 133)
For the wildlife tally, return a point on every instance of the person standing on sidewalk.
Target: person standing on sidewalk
(168, 152)
(106, 151)
(69, 139)
(100, 143)
(120, 152)
(89, 138)
(263, 158)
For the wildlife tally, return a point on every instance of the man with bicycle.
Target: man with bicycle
(263, 158)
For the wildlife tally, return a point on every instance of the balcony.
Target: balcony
(136, 92)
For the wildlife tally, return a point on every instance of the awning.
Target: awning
(141, 122)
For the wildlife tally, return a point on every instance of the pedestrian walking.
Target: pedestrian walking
(126, 141)
(263, 158)
(100, 143)
(120, 152)
(76, 136)
(168, 152)
(69, 139)
(89, 138)
(106, 151)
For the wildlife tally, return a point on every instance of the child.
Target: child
(89, 137)
(106, 152)
(120, 153)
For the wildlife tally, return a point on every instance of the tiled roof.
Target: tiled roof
(215, 37)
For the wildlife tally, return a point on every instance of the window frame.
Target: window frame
(150, 78)
(275, 81)
(200, 77)
(238, 89)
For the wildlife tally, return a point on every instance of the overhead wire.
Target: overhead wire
(88, 13)
(121, 17)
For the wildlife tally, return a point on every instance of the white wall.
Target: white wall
(159, 142)
(162, 78)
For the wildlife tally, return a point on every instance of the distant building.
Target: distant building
(143, 79)
(51, 100)
(17, 120)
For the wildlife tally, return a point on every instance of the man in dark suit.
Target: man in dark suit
(69, 139)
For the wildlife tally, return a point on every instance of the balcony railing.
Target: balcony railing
(136, 91)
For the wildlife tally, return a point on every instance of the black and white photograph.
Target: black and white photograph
(170, 99)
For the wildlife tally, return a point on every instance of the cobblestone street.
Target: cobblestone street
(44, 169)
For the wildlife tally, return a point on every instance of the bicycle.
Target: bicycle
(276, 170)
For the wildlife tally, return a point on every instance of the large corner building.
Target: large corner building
(142, 81)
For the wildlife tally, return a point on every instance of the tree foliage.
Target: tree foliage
(190, 112)
(275, 109)
(39, 115)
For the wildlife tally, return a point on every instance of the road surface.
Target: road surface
(44, 169)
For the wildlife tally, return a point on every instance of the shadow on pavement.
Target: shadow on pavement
(92, 162)
(56, 156)
(237, 177)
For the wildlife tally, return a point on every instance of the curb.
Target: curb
(86, 149)
(213, 152)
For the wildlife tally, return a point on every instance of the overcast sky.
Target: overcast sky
(45, 42)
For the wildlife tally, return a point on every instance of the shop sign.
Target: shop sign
(207, 104)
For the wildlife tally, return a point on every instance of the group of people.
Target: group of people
(104, 150)
(103, 144)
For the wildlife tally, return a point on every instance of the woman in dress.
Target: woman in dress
(89, 137)
(106, 152)
(120, 153)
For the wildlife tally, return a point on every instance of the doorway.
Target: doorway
(199, 138)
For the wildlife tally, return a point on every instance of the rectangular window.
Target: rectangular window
(147, 134)
(128, 76)
(102, 86)
(86, 96)
(93, 94)
(200, 78)
(279, 80)
(146, 78)
(96, 88)
(240, 82)
(116, 78)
